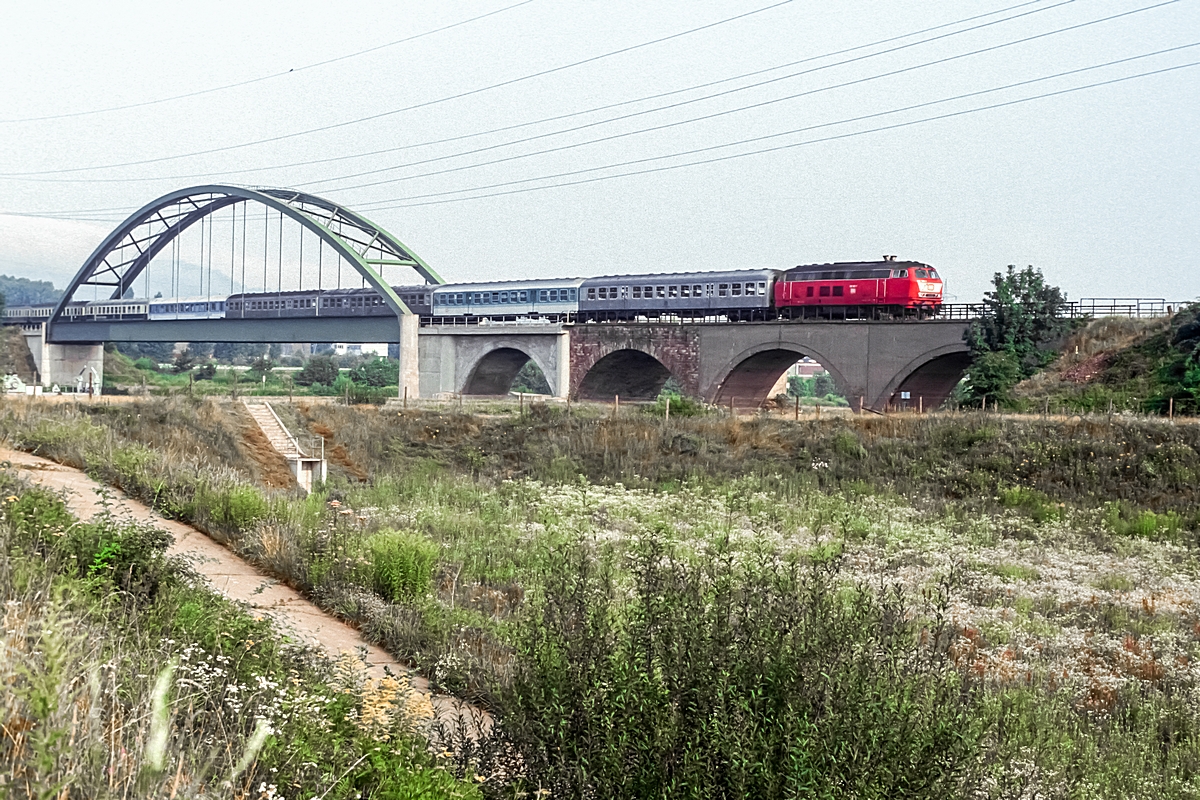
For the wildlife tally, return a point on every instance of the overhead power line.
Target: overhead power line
(701, 118)
(412, 107)
(250, 81)
(543, 120)
(669, 167)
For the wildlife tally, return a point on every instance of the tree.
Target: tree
(185, 359)
(229, 352)
(318, 370)
(823, 385)
(376, 372)
(1022, 316)
(530, 380)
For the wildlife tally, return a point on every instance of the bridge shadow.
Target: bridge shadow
(931, 384)
(497, 371)
(748, 385)
(631, 374)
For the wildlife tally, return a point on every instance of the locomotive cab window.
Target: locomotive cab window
(899, 273)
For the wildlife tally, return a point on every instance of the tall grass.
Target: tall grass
(632, 600)
(124, 677)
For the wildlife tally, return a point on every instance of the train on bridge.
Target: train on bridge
(855, 290)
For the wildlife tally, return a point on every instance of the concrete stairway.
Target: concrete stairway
(273, 429)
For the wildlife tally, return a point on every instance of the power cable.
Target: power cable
(423, 104)
(376, 207)
(700, 118)
(260, 79)
(557, 118)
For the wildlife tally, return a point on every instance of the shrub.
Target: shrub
(401, 564)
(147, 364)
(320, 369)
(721, 679)
(239, 508)
(680, 406)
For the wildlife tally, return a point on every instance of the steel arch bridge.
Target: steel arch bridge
(126, 252)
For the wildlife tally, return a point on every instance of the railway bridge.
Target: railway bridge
(725, 363)
(208, 242)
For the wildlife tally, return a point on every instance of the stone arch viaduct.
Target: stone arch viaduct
(731, 363)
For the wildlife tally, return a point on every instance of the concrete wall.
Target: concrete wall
(485, 359)
(62, 363)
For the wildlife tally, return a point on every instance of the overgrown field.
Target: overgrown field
(124, 677)
(939, 606)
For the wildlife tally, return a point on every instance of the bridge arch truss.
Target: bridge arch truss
(128, 250)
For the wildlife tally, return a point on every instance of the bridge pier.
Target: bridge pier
(62, 364)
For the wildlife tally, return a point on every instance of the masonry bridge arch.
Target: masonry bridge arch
(738, 364)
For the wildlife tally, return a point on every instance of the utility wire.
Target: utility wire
(701, 118)
(390, 204)
(557, 118)
(423, 104)
(262, 78)
(733, 156)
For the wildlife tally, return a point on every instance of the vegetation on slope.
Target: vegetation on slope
(1119, 365)
(125, 677)
(939, 606)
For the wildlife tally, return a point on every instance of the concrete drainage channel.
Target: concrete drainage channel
(236, 579)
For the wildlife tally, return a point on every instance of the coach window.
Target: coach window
(824, 291)
(722, 289)
(696, 291)
(685, 291)
(762, 289)
(837, 291)
(660, 291)
(637, 293)
(591, 293)
(735, 289)
(672, 291)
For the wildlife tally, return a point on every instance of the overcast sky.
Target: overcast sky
(1099, 188)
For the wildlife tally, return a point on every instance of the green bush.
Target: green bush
(722, 679)
(680, 406)
(239, 508)
(1029, 501)
(401, 564)
(147, 364)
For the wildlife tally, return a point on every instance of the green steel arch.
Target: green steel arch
(127, 251)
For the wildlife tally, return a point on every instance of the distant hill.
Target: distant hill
(23, 291)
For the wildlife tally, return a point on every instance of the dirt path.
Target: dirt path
(227, 573)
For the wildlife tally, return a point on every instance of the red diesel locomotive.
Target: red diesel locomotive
(866, 289)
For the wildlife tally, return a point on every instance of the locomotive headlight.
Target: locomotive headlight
(929, 286)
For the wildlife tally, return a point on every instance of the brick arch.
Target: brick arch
(493, 370)
(626, 373)
(931, 376)
(633, 361)
(748, 377)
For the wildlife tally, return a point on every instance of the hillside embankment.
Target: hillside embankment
(950, 605)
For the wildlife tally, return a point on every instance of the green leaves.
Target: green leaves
(1010, 343)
